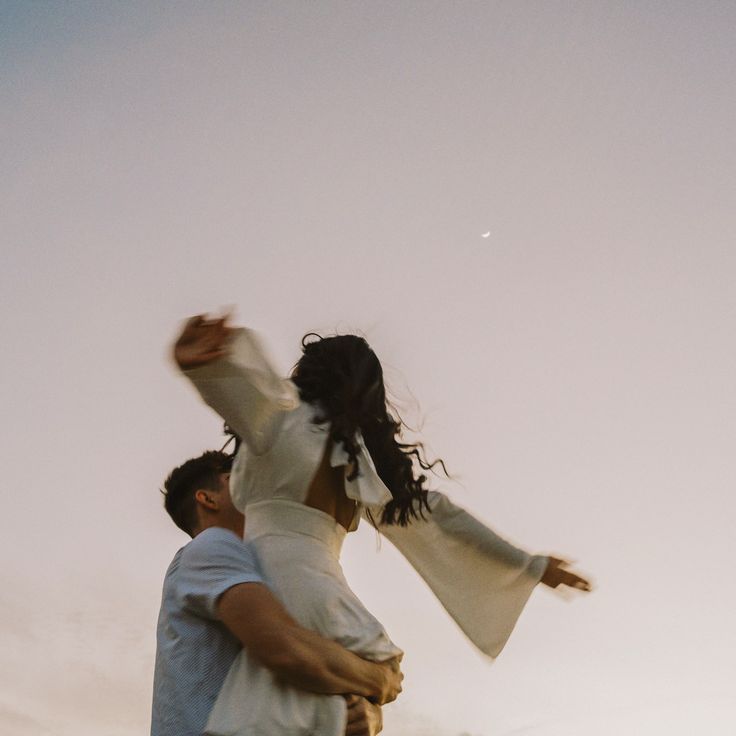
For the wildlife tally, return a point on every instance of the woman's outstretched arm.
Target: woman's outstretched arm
(482, 580)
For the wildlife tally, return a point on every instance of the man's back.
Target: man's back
(194, 650)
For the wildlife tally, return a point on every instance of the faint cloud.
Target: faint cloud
(77, 663)
(20, 724)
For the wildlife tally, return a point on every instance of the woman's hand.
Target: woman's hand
(201, 341)
(556, 575)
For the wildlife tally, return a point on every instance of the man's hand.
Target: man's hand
(202, 340)
(394, 676)
(364, 718)
(555, 575)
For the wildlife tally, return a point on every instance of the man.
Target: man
(215, 601)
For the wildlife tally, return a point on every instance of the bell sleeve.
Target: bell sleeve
(246, 391)
(482, 580)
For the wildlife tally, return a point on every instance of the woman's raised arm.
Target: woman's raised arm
(229, 368)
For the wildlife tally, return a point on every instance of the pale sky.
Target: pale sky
(332, 166)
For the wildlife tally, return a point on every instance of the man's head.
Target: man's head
(197, 495)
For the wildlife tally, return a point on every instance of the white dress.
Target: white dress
(482, 580)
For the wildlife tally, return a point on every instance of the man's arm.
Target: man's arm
(301, 657)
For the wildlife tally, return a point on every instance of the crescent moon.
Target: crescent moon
(486, 235)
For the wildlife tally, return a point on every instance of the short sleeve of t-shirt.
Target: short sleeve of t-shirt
(214, 561)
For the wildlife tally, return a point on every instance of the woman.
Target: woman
(316, 451)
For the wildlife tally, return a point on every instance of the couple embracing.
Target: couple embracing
(263, 636)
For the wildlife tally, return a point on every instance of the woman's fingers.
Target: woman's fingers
(556, 575)
(580, 583)
(202, 340)
(574, 581)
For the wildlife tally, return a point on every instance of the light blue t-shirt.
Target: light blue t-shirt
(194, 650)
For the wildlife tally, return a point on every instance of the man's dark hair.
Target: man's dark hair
(183, 482)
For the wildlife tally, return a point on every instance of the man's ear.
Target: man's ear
(207, 499)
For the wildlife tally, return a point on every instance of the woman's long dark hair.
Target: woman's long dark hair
(343, 377)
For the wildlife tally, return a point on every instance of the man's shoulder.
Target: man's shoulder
(217, 544)
(216, 536)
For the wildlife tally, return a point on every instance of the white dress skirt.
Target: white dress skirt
(298, 548)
